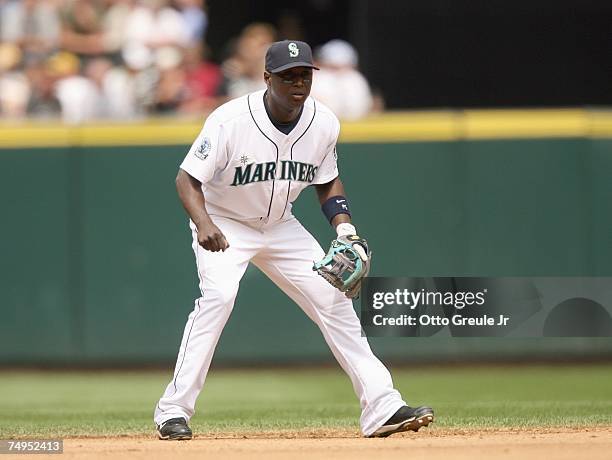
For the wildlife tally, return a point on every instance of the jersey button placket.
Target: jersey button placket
(282, 155)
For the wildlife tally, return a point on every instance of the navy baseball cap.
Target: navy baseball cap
(288, 54)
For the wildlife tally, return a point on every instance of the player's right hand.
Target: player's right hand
(211, 238)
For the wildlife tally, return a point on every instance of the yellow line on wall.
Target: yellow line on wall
(601, 124)
(388, 127)
(424, 126)
(500, 124)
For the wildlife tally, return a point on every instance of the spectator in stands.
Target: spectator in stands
(154, 24)
(94, 28)
(82, 31)
(114, 23)
(14, 86)
(143, 75)
(202, 80)
(243, 71)
(339, 84)
(114, 88)
(195, 19)
(43, 102)
(78, 96)
(171, 91)
(33, 25)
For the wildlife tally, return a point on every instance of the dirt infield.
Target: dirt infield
(433, 444)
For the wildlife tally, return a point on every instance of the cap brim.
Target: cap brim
(291, 65)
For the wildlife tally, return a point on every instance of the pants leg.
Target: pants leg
(287, 260)
(219, 275)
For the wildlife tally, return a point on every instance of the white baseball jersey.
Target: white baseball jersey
(251, 170)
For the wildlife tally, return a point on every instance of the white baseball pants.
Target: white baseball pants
(284, 251)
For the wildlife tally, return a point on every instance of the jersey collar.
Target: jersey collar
(258, 111)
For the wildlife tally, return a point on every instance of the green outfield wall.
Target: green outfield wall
(97, 266)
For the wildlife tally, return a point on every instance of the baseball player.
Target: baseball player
(253, 157)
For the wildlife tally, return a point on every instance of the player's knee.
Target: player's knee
(223, 296)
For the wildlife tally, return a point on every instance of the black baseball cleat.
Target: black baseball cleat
(175, 429)
(405, 419)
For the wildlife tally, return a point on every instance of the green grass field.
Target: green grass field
(45, 404)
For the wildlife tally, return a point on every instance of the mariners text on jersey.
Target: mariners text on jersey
(290, 170)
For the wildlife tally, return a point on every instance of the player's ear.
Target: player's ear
(267, 76)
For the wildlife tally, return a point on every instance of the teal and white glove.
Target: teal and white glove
(347, 262)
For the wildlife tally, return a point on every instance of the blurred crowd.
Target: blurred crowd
(82, 60)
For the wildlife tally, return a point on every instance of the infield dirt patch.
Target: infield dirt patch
(433, 444)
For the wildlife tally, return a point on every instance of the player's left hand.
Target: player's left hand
(346, 264)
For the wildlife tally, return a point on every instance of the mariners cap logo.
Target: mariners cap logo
(288, 54)
(294, 51)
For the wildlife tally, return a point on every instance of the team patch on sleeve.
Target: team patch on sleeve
(202, 151)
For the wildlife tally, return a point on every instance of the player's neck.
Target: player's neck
(278, 113)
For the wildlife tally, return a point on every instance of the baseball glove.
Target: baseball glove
(346, 264)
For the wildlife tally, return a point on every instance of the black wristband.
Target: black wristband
(334, 206)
